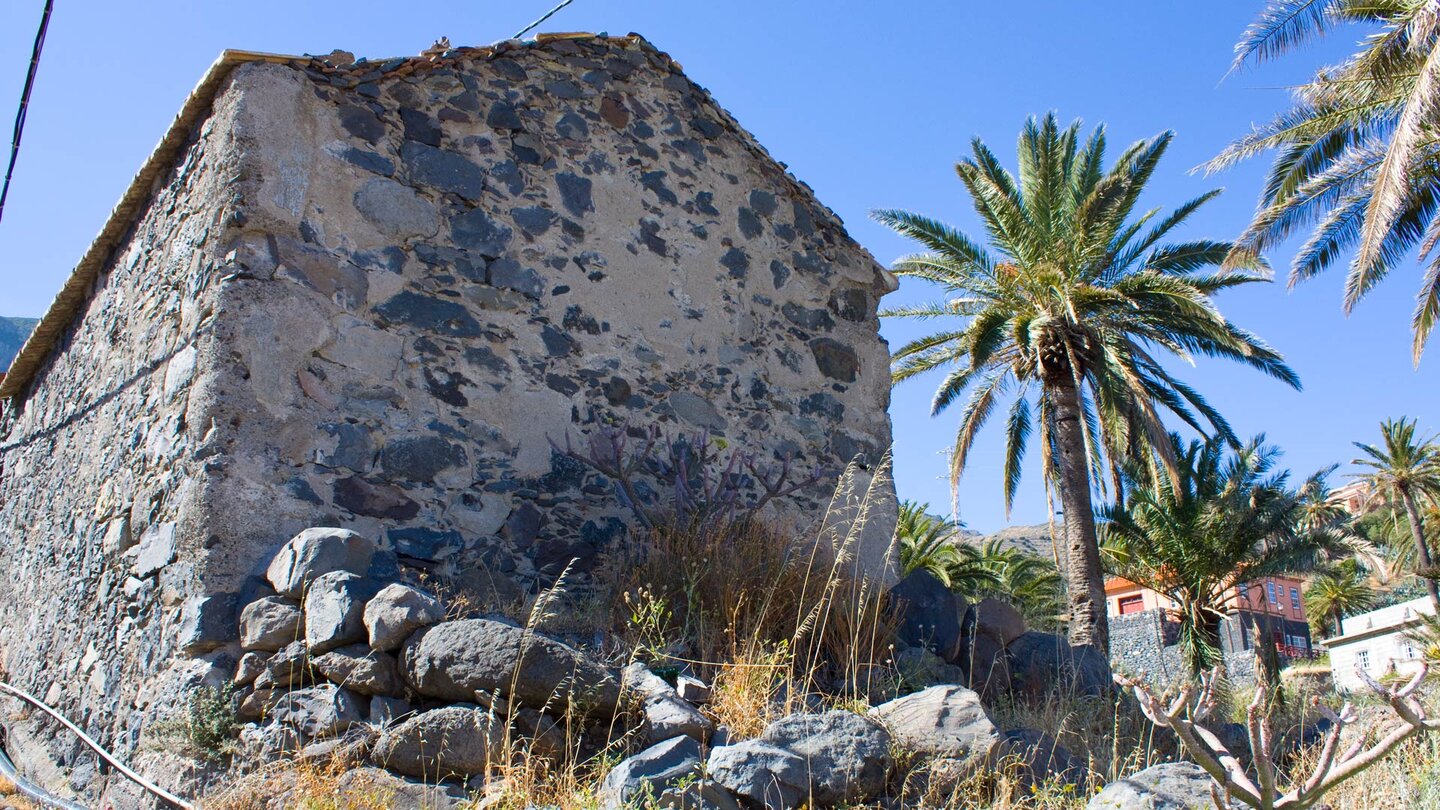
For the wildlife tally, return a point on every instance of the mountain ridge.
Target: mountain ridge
(13, 332)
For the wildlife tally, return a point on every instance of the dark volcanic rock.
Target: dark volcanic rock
(450, 661)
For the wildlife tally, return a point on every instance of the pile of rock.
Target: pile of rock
(337, 667)
(335, 663)
(987, 646)
(840, 758)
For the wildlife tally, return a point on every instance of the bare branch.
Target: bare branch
(1230, 779)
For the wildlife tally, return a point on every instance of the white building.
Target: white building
(1378, 643)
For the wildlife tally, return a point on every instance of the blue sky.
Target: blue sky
(870, 103)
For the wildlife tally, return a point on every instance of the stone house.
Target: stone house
(378, 296)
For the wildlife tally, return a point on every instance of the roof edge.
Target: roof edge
(76, 290)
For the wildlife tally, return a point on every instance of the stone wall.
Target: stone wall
(375, 296)
(1147, 642)
(105, 466)
(442, 274)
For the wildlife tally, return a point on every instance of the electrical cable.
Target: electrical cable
(25, 101)
(551, 13)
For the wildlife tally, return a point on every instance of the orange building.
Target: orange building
(1274, 600)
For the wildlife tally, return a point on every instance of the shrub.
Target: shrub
(206, 727)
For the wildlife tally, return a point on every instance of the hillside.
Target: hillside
(1030, 539)
(13, 332)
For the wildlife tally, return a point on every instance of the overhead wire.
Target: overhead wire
(25, 101)
(551, 13)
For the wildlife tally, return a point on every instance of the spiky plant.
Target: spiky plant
(1068, 312)
(1029, 582)
(1224, 519)
(1407, 469)
(1356, 152)
(931, 543)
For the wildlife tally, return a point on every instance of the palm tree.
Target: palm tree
(1395, 544)
(931, 543)
(1029, 582)
(1224, 520)
(1337, 592)
(1069, 311)
(1407, 469)
(1356, 152)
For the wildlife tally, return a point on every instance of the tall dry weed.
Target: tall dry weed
(752, 605)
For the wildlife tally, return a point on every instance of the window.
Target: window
(1131, 604)
(1362, 660)
(1294, 599)
(1270, 591)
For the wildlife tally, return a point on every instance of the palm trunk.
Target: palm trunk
(1207, 626)
(1084, 577)
(1422, 549)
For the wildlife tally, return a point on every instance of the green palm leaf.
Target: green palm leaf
(1061, 315)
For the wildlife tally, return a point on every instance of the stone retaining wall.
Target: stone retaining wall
(1146, 642)
(1149, 642)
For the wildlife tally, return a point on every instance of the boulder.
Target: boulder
(440, 743)
(207, 623)
(349, 750)
(760, 773)
(848, 756)
(451, 660)
(1042, 663)
(1036, 758)
(318, 711)
(385, 711)
(1168, 786)
(334, 610)
(700, 794)
(995, 619)
(258, 704)
(666, 714)
(396, 612)
(361, 669)
(987, 668)
(650, 773)
(673, 717)
(540, 733)
(928, 614)
(290, 666)
(269, 623)
(919, 668)
(315, 552)
(249, 667)
(269, 742)
(692, 690)
(359, 788)
(943, 721)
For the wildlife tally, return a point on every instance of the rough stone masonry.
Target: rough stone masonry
(370, 296)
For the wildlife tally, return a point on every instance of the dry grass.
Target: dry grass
(997, 789)
(10, 797)
(1409, 777)
(1112, 737)
(298, 785)
(750, 607)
